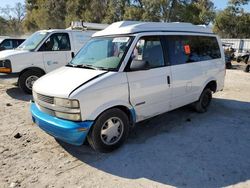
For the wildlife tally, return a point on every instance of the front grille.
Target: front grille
(44, 98)
(46, 110)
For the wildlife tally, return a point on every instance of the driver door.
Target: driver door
(150, 90)
(56, 51)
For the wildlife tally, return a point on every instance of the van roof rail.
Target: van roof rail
(86, 26)
(129, 27)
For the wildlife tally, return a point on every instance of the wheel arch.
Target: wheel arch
(212, 85)
(129, 111)
(36, 69)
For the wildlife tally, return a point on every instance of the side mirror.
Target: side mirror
(137, 65)
(72, 55)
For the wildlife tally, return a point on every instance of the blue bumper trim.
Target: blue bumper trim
(67, 131)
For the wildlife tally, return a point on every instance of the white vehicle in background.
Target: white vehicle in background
(43, 52)
(129, 72)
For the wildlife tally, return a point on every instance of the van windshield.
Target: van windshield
(33, 41)
(102, 53)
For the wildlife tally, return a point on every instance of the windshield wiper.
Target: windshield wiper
(88, 66)
(106, 68)
(83, 66)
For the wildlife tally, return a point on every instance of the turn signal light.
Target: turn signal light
(5, 70)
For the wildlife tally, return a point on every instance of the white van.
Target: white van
(127, 73)
(43, 52)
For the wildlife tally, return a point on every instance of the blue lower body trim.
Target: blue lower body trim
(132, 111)
(68, 131)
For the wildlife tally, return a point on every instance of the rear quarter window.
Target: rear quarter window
(188, 49)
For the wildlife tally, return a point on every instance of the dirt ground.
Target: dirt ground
(180, 148)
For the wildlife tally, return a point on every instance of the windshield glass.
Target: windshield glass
(33, 41)
(102, 52)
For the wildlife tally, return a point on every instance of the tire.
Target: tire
(247, 68)
(27, 79)
(104, 139)
(229, 65)
(204, 101)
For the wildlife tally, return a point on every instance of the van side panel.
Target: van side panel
(80, 38)
(186, 82)
(195, 61)
(20, 62)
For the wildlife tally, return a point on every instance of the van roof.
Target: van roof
(130, 27)
(61, 30)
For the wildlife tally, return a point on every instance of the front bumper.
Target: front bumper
(10, 78)
(68, 131)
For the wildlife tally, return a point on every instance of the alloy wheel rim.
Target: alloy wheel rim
(30, 81)
(112, 130)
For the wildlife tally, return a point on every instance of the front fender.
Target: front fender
(108, 105)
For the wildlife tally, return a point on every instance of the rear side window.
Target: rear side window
(187, 49)
(16, 42)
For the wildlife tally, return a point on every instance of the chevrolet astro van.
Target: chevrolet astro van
(42, 52)
(126, 73)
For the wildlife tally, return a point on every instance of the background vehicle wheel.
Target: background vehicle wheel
(109, 131)
(229, 65)
(247, 68)
(204, 101)
(27, 79)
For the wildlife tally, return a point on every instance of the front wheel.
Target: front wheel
(204, 101)
(109, 131)
(27, 79)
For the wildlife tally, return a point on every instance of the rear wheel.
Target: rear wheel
(109, 131)
(204, 101)
(27, 79)
(247, 68)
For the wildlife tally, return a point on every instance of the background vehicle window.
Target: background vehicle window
(16, 42)
(7, 44)
(149, 49)
(186, 49)
(57, 42)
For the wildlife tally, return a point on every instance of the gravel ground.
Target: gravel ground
(180, 148)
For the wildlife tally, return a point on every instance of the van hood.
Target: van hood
(61, 82)
(5, 54)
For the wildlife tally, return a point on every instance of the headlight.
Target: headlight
(67, 108)
(62, 108)
(68, 103)
(73, 117)
(5, 66)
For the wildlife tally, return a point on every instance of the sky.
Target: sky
(219, 4)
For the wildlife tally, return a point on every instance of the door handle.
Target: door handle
(168, 79)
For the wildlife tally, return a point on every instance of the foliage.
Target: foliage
(12, 18)
(43, 14)
(233, 22)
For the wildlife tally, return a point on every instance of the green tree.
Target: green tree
(13, 17)
(43, 14)
(3, 24)
(233, 22)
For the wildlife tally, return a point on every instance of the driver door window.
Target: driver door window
(149, 49)
(57, 42)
